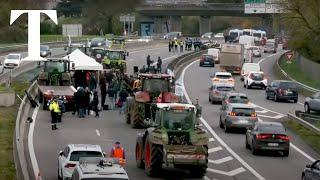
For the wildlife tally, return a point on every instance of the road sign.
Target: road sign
(289, 56)
(72, 30)
(254, 6)
(127, 18)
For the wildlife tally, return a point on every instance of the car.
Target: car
(99, 168)
(172, 35)
(69, 157)
(12, 61)
(268, 136)
(235, 97)
(219, 35)
(222, 77)
(282, 90)
(312, 103)
(270, 47)
(255, 79)
(1, 67)
(98, 42)
(207, 35)
(255, 51)
(206, 60)
(311, 172)
(218, 91)
(237, 115)
(247, 67)
(215, 53)
(45, 51)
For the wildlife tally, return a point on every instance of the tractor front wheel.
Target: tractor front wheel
(137, 115)
(153, 155)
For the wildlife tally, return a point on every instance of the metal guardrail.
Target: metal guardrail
(304, 123)
(308, 88)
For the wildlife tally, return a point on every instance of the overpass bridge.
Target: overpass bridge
(161, 16)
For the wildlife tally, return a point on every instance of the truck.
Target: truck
(55, 80)
(149, 88)
(232, 57)
(173, 139)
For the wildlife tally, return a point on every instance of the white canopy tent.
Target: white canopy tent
(83, 62)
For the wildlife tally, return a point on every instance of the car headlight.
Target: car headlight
(99, 44)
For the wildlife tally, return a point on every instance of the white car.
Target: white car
(1, 67)
(222, 77)
(219, 35)
(255, 79)
(12, 61)
(256, 52)
(69, 157)
(248, 67)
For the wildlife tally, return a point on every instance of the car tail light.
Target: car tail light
(215, 79)
(263, 136)
(232, 114)
(230, 80)
(69, 165)
(254, 115)
(283, 137)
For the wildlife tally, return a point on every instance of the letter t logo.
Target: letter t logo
(34, 30)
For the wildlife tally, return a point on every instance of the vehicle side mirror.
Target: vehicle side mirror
(308, 166)
(60, 153)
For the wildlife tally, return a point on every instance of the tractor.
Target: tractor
(115, 59)
(173, 139)
(149, 88)
(55, 80)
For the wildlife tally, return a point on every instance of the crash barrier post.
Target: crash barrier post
(304, 123)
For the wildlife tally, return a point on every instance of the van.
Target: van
(215, 53)
(235, 34)
(259, 35)
(248, 32)
(172, 35)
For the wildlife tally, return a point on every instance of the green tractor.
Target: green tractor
(173, 139)
(115, 59)
(149, 89)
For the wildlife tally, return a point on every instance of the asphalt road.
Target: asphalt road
(231, 160)
(107, 129)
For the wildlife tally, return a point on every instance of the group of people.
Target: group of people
(86, 100)
(174, 44)
(150, 62)
(189, 42)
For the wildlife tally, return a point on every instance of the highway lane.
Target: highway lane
(107, 129)
(270, 166)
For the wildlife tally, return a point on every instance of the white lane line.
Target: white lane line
(279, 116)
(32, 154)
(265, 58)
(235, 155)
(211, 139)
(222, 160)
(230, 173)
(263, 111)
(98, 132)
(302, 152)
(216, 149)
(255, 105)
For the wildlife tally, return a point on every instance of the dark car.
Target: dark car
(206, 60)
(97, 42)
(45, 51)
(282, 90)
(268, 136)
(311, 172)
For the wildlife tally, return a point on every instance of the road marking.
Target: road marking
(303, 153)
(211, 150)
(141, 50)
(255, 105)
(265, 58)
(165, 59)
(32, 154)
(98, 132)
(222, 160)
(263, 111)
(230, 173)
(210, 139)
(279, 116)
(235, 155)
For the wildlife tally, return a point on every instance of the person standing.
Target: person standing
(111, 95)
(118, 151)
(159, 64)
(62, 108)
(87, 94)
(176, 43)
(95, 102)
(103, 91)
(169, 45)
(55, 110)
(92, 82)
(149, 61)
(76, 102)
(122, 100)
(81, 102)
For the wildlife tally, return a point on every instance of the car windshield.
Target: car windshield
(223, 76)
(156, 85)
(243, 111)
(238, 99)
(224, 88)
(178, 119)
(246, 33)
(115, 55)
(257, 35)
(257, 76)
(233, 34)
(271, 128)
(76, 155)
(44, 48)
(290, 85)
(13, 56)
(208, 57)
(270, 45)
(55, 67)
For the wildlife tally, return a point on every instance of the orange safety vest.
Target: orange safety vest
(118, 153)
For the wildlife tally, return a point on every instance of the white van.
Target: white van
(246, 40)
(216, 54)
(248, 32)
(235, 34)
(248, 67)
(258, 35)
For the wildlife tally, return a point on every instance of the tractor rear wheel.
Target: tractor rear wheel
(139, 150)
(127, 113)
(137, 115)
(153, 155)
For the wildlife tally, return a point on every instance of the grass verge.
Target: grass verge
(294, 72)
(7, 125)
(311, 138)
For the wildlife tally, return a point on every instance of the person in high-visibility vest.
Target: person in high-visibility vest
(117, 152)
(55, 110)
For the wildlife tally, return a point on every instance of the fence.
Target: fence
(308, 66)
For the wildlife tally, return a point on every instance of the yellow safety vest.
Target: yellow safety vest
(54, 106)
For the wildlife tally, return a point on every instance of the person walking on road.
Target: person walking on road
(62, 109)
(149, 62)
(111, 94)
(159, 64)
(82, 102)
(87, 101)
(123, 94)
(92, 82)
(95, 103)
(103, 91)
(55, 110)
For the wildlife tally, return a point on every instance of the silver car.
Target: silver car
(45, 51)
(312, 103)
(235, 115)
(312, 171)
(218, 91)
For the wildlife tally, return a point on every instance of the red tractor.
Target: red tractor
(149, 89)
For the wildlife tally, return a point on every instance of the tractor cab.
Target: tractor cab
(114, 59)
(118, 43)
(56, 72)
(73, 46)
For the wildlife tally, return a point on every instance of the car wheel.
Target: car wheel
(220, 123)
(247, 144)
(253, 149)
(285, 153)
(275, 98)
(306, 108)
(226, 128)
(295, 100)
